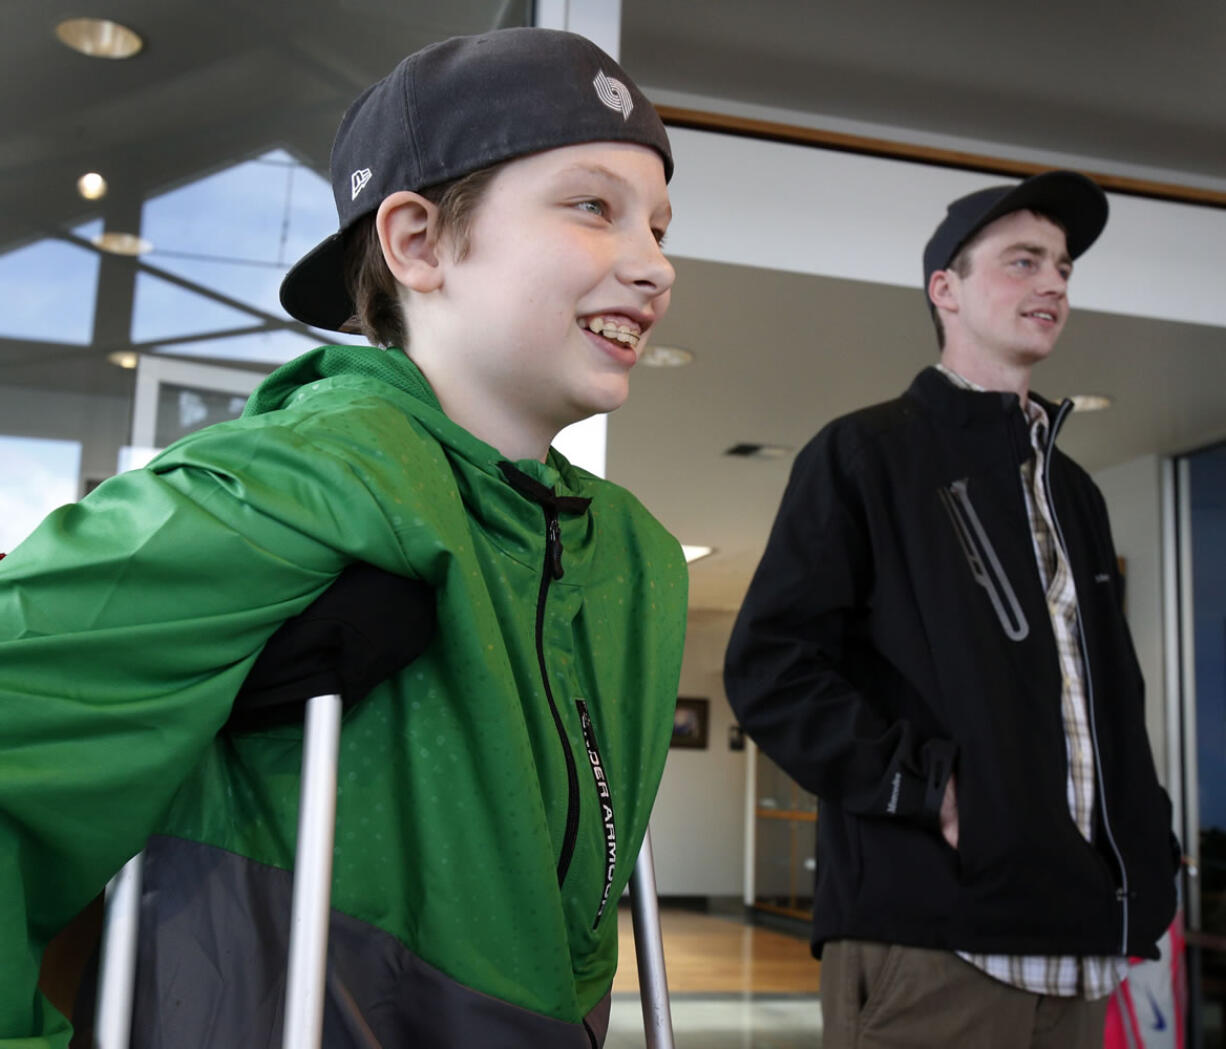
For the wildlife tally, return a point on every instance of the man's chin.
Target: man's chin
(1034, 352)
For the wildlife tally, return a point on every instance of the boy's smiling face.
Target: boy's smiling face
(541, 320)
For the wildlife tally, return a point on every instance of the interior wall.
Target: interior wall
(1133, 492)
(698, 825)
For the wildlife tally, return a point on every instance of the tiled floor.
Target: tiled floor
(724, 1021)
(733, 985)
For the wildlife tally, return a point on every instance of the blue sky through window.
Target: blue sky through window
(234, 231)
(48, 290)
(163, 310)
(38, 476)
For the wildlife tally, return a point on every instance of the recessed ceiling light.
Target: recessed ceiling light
(91, 186)
(122, 243)
(99, 37)
(124, 358)
(1090, 402)
(695, 553)
(666, 357)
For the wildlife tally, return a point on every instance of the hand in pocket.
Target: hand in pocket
(949, 814)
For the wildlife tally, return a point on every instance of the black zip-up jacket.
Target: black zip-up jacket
(896, 630)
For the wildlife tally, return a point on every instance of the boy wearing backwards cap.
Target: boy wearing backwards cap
(934, 644)
(502, 199)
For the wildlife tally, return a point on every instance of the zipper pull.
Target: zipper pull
(553, 540)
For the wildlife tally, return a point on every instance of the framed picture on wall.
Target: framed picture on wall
(690, 723)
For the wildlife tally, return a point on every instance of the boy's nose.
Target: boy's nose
(646, 266)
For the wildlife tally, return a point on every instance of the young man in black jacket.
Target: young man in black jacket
(934, 644)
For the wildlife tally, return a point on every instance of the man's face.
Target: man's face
(1013, 302)
(563, 279)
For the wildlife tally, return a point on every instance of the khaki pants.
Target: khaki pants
(882, 996)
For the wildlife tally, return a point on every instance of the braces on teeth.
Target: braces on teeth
(611, 330)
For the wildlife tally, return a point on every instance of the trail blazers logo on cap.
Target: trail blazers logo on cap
(614, 94)
(357, 182)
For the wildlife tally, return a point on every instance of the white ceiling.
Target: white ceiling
(1133, 86)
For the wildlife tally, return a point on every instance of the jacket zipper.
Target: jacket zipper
(553, 570)
(551, 504)
(1121, 893)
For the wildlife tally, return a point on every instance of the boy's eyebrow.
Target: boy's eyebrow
(600, 171)
(595, 169)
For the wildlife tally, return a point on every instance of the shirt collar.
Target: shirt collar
(1033, 411)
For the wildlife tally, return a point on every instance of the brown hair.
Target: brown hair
(961, 265)
(375, 291)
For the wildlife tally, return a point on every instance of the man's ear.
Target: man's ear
(407, 224)
(942, 290)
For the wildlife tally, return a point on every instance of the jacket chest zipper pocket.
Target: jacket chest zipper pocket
(604, 799)
(984, 564)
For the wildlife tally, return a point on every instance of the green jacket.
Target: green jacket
(493, 796)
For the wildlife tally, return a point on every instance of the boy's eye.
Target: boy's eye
(595, 207)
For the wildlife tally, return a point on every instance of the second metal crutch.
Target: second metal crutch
(649, 950)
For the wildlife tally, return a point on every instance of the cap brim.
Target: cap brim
(313, 291)
(1078, 204)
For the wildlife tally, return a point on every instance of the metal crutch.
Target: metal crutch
(355, 608)
(308, 934)
(307, 972)
(308, 938)
(313, 880)
(117, 961)
(649, 950)
(308, 944)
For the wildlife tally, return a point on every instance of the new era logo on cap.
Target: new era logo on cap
(614, 94)
(357, 182)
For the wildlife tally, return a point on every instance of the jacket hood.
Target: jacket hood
(390, 366)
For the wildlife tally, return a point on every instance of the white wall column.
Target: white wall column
(599, 20)
(584, 443)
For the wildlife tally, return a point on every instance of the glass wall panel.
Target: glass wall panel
(47, 292)
(1204, 474)
(38, 476)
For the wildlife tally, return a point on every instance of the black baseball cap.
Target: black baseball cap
(456, 107)
(1077, 203)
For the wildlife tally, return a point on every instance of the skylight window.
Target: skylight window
(237, 231)
(38, 476)
(48, 289)
(234, 232)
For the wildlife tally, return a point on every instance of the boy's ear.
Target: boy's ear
(941, 291)
(407, 224)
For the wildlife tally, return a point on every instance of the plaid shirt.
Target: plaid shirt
(1064, 975)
